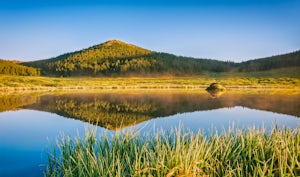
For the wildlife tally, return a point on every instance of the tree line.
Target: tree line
(274, 62)
(10, 68)
(116, 58)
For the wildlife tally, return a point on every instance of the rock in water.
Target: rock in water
(216, 87)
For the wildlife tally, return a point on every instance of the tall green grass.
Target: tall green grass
(177, 153)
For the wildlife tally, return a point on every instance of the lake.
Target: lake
(30, 123)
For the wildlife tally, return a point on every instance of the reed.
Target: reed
(236, 152)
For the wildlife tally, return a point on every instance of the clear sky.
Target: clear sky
(234, 30)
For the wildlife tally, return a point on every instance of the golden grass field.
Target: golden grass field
(30, 83)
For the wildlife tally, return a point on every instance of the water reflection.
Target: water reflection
(26, 137)
(113, 110)
(25, 134)
(14, 101)
(215, 93)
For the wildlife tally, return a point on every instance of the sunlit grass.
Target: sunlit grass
(177, 153)
(21, 83)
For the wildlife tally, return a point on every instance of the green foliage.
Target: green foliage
(236, 152)
(274, 62)
(11, 68)
(116, 58)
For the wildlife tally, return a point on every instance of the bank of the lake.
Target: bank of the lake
(236, 152)
(30, 83)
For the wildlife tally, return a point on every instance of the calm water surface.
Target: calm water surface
(30, 123)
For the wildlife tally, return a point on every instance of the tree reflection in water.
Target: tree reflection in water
(115, 110)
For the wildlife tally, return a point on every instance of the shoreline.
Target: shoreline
(28, 83)
(129, 89)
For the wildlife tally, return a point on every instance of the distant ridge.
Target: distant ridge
(274, 62)
(118, 58)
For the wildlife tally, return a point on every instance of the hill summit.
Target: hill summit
(115, 42)
(112, 49)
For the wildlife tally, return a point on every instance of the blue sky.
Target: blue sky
(234, 30)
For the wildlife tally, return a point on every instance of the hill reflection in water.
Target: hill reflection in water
(116, 110)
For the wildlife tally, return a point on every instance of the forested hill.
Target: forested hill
(116, 58)
(13, 68)
(274, 62)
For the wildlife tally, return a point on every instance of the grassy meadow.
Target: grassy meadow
(22, 83)
(235, 152)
